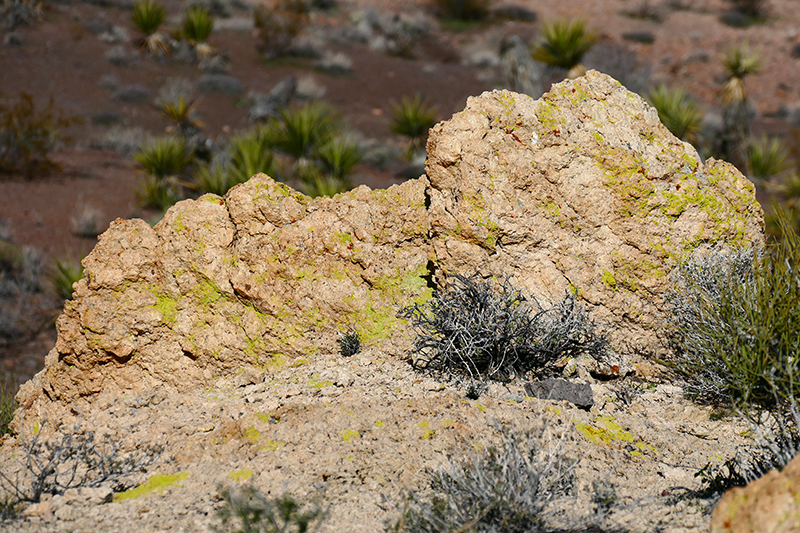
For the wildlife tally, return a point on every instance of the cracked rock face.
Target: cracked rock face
(581, 190)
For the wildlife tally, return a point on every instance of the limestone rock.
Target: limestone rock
(582, 190)
(767, 505)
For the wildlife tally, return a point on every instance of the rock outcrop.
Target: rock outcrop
(769, 504)
(583, 190)
(214, 334)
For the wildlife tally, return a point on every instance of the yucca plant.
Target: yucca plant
(412, 118)
(156, 193)
(248, 154)
(321, 185)
(162, 157)
(738, 63)
(65, 273)
(148, 15)
(563, 44)
(183, 113)
(768, 157)
(306, 129)
(677, 111)
(198, 24)
(339, 156)
(7, 404)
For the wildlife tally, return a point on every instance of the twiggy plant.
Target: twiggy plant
(247, 510)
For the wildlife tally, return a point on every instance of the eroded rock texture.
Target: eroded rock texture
(581, 190)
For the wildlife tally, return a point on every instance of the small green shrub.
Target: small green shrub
(476, 331)
(66, 273)
(509, 488)
(197, 25)
(7, 405)
(464, 10)
(413, 118)
(350, 343)
(768, 158)
(563, 44)
(148, 16)
(247, 510)
(27, 136)
(677, 111)
(156, 193)
(339, 156)
(165, 156)
(307, 128)
(735, 318)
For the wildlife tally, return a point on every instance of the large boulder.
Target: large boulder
(583, 190)
(770, 504)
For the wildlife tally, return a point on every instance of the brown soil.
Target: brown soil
(63, 58)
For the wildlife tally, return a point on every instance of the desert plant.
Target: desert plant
(66, 272)
(350, 343)
(413, 118)
(507, 488)
(278, 26)
(745, 13)
(306, 129)
(477, 330)
(677, 111)
(247, 155)
(198, 24)
(148, 16)
(156, 193)
(162, 157)
(339, 156)
(87, 222)
(183, 113)
(315, 184)
(20, 13)
(20, 269)
(768, 157)
(645, 10)
(738, 63)
(464, 10)
(735, 317)
(71, 460)
(7, 405)
(563, 44)
(27, 136)
(247, 510)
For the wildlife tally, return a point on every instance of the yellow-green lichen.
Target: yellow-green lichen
(349, 435)
(241, 475)
(608, 279)
(158, 483)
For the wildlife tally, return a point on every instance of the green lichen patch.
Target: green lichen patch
(158, 483)
(350, 435)
(241, 475)
(606, 431)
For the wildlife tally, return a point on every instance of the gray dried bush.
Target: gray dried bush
(477, 330)
(516, 487)
(72, 459)
(247, 510)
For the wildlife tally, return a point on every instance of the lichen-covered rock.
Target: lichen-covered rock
(770, 504)
(582, 190)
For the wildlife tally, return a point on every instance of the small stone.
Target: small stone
(579, 394)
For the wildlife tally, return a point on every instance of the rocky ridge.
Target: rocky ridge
(214, 333)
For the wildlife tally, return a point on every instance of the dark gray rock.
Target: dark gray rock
(280, 96)
(579, 394)
(219, 83)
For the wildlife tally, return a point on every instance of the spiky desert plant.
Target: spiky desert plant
(7, 403)
(148, 16)
(183, 113)
(413, 118)
(677, 111)
(563, 43)
(768, 157)
(198, 24)
(477, 330)
(736, 318)
(738, 63)
(339, 156)
(305, 129)
(66, 272)
(156, 193)
(350, 343)
(247, 154)
(164, 156)
(314, 185)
